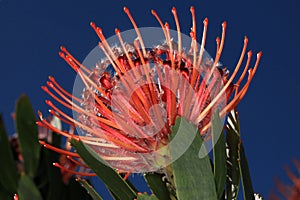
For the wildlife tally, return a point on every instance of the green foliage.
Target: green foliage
(74, 190)
(89, 189)
(219, 152)
(237, 162)
(4, 194)
(27, 189)
(27, 135)
(109, 176)
(193, 176)
(39, 180)
(9, 175)
(157, 185)
(146, 197)
(54, 187)
(233, 142)
(245, 173)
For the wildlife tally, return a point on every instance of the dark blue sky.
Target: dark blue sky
(31, 33)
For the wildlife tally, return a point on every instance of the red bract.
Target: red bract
(133, 96)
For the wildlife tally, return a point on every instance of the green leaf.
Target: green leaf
(4, 194)
(112, 194)
(89, 189)
(108, 175)
(56, 142)
(233, 144)
(193, 176)
(147, 197)
(28, 135)
(246, 179)
(157, 185)
(9, 175)
(131, 185)
(240, 163)
(55, 187)
(27, 189)
(219, 152)
(74, 190)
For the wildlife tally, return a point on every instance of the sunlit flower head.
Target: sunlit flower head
(132, 95)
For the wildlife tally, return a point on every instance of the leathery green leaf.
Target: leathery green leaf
(246, 178)
(55, 187)
(108, 175)
(219, 152)
(9, 175)
(74, 190)
(27, 189)
(4, 194)
(157, 185)
(233, 145)
(193, 175)
(89, 189)
(27, 135)
(146, 197)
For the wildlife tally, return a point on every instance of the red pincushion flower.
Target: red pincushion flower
(133, 95)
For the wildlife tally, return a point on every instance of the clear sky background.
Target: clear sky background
(32, 31)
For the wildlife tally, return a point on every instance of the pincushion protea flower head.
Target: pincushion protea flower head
(133, 95)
